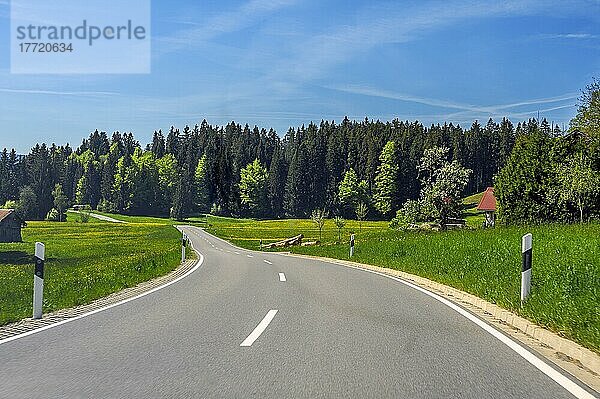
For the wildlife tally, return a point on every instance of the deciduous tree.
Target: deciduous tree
(579, 183)
(386, 180)
(253, 188)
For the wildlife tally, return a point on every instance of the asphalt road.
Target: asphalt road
(336, 332)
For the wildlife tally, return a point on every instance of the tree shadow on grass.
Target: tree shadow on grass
(16, 258)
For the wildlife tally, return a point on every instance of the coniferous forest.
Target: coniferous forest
(243, 171)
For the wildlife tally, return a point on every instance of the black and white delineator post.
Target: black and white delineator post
(351, 245)
(183, 239)
(526, 249)
(38, 280)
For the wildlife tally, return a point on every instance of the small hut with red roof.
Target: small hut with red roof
(487, 204)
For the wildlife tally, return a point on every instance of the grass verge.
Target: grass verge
(84, 262)
(565, 295)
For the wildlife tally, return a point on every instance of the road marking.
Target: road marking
(267, 262)
(282, 277)
(237, 253)
(262, 326)
(250, 256)
(198, 264)
(538, 363)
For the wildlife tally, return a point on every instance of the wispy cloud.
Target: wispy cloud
(567, 36)
(59, 93)
(395, 25)
(466, 112)
(373, 92)
(564, 97)
(230, 21)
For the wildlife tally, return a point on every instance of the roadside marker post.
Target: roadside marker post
(526, 249)
(38, 280)
(352, 245)
(183, 239)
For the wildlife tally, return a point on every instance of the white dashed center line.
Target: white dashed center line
(267, 262)
(250, 256)
(262, 326)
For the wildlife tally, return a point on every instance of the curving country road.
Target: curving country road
(248, 324)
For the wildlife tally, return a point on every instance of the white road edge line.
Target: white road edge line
(282, 277)
(260, 328)
(267, 262)
(538, 363)
(198, 264)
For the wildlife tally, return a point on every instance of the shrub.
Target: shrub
(410, 213)
(10, 204)
(107, 206)
(53, 216)
(84, 214)
(216, 210)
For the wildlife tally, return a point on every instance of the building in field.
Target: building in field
(488, 206)
(10, 226)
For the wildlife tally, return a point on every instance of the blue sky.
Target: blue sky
(281, 63)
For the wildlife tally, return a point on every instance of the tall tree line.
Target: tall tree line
(199, 168)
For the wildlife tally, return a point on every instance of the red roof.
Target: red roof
(4, 213)
(488, 201)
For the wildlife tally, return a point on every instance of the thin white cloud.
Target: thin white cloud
(372, 92)
(231, 21)
(493, 109)
(467, 117)
(541, 111)
(59, 93)
(564, 97)
(568, 36)
(400, 24)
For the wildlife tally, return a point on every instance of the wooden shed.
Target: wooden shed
(488, 205)
(10, 226)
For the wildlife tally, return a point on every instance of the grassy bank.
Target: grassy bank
(565, 293)
(83, 262)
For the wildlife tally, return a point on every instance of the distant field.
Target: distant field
(473, 199)
(248, 233)
(473, 217)
(565, 293)
(84, 262)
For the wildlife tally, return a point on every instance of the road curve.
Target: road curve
(249, 324)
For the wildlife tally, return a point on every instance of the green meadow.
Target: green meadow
(84, 261)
